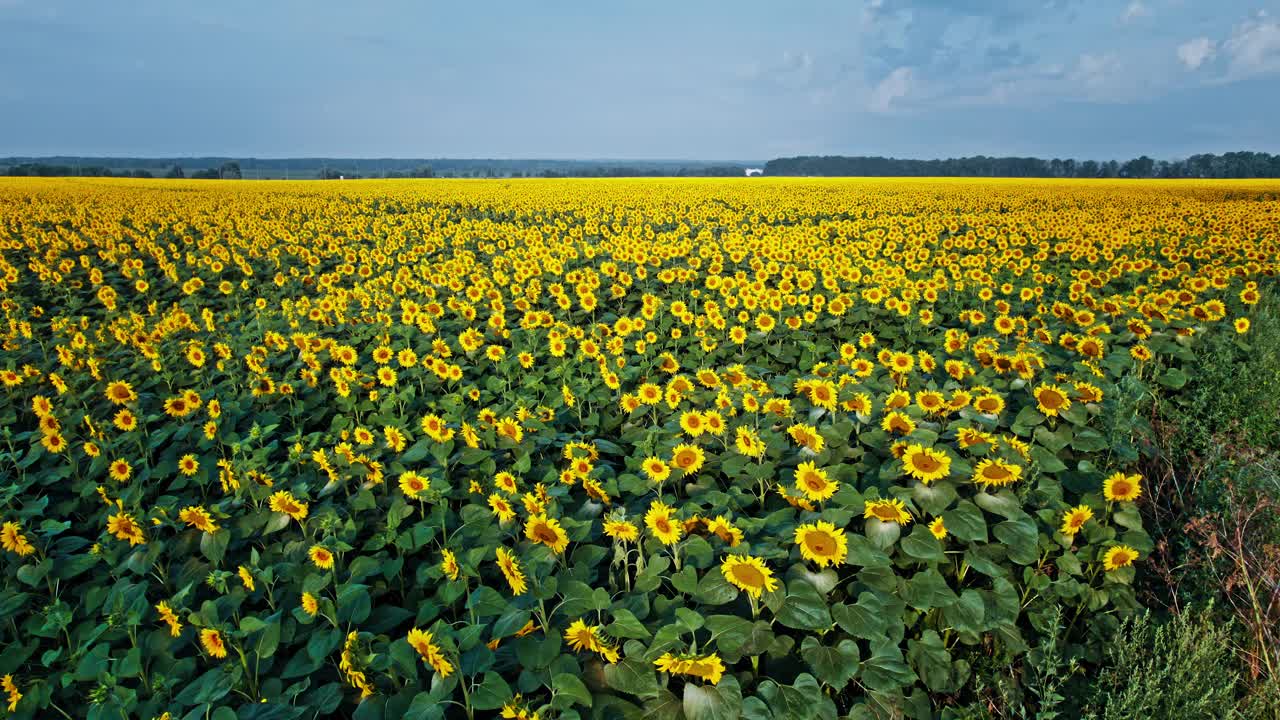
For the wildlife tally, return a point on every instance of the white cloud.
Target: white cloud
(1254, 47)
(1194, 53)
(894, 86)
(1095, 71)
(1134, 11)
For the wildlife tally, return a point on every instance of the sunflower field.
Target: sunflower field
(699, 449)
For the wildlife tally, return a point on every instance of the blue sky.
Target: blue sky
(689, 79)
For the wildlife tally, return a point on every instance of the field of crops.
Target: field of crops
(705, 449)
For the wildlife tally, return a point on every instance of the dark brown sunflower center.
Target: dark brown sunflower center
(925, 463)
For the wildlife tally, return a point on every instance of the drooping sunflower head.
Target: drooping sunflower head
(891, 510)
(992, 472)
(547, 531)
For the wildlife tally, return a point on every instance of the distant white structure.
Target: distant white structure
(755, 171)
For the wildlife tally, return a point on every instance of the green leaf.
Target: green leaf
(625, 625)
(966, 522)
(967, 613)
(632, 675)
(1045, 460)
(922, 545)
(885, 670)
(1020, 539)
(863, 552)
(722, 701)
(713, 589)
(214, 545)
(729, 632)
(207, 688)
(834, 666)
(927, 590)
(804, 608)
(932, 663)
(1088, 440)
(492, 694)
(1173, 378)
(570, 686)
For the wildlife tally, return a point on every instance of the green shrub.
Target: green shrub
(1182, 669)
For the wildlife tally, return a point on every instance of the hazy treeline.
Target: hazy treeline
(1229, 165)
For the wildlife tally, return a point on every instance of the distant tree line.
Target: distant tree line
(45, 170)
(1229, 165)
(227, 171)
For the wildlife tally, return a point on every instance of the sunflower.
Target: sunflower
(126, 420)
(12, 539)
(1241, 325)
(198, 518)
(169, 617)
(688, 458)
(309, 604)
(938, 528)
(177, 406)
(321, 557)
(814, 482)
(1121, 487)
(705, 667)
(188, 465)
(120, 470)
(449, 564)
(891, 510)
(1051, 400)
(124, 527)
(510, 429)
(749, 574)
(661, 524)
(506, 482)
(11, 690)
(422, 641)
(510, 568)
(992, 472)
(581, 636)
(723, 529)
(693, 423)
(657, 470)
(501, 508)
(284, 502)
(621, 530)
(898, 423)
(212, 641)
(1118, 556)
(989, 404)
(748, 443)
(822, 543)
(54, 443)
(807, 436)
(1074, 519)
(412, 484)
(926, 464)
(121, 392)
(245, 577)
(545, 530)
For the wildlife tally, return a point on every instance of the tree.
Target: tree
(175, 173)
(229, 171)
